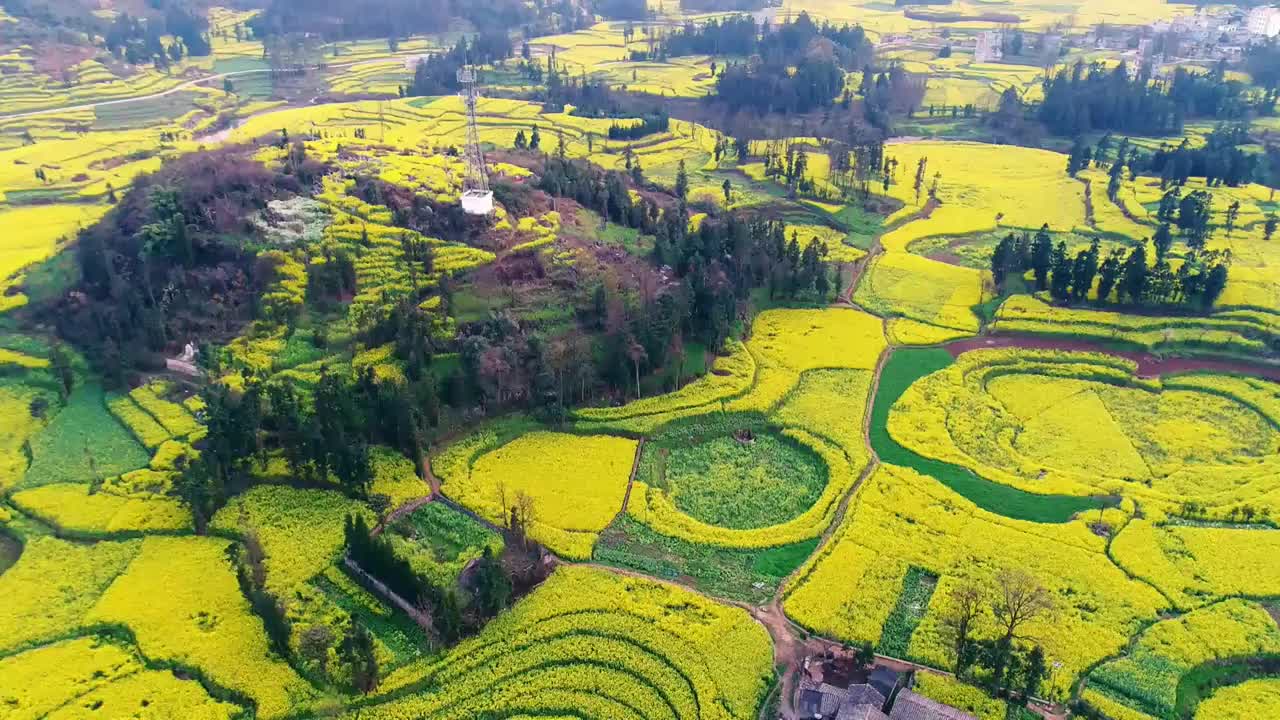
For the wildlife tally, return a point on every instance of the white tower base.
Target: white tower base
(477, 202)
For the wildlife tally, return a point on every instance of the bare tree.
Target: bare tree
(960, 614)
(522, 516)
(1019, 599)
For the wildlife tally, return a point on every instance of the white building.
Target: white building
(1264, 22)
(990, 47)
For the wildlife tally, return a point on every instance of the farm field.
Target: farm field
(668, 434)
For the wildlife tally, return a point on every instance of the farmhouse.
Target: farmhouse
(910, 706)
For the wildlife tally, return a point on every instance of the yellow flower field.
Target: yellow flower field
(33, 233)
(900, 284)
(576, 484)
(608, 646)
(1250, 699)
(1146, 678)
(900, 518)
(1079, 424)
(1193, 565)
(300, 530)
(180, 598)
(54, 585)
(89, 677)
(73, 509)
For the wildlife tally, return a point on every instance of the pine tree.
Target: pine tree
(521, 142)
(682, 181)
(1269, 229)
(534, 139)
(1042, 257)
(1163, 241)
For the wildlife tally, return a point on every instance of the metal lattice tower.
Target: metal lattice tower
(477, 199)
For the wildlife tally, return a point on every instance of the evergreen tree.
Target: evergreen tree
(1269, 229)
(1042, 257)
(1109, 274)
(534, 139)
(521, 142)
(1163, 241)
(1060, 283)
(1134, 274)
(682, 181)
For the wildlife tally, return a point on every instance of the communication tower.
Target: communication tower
(477, 198)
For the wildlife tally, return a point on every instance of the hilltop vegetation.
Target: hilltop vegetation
(941, 334)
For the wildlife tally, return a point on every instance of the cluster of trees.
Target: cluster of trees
(1198, 281)
(1007, 662)
(796, 68)
(1083, 99)
(740, 35)
(170, 261)
(138, 40)
(656, 123)
(437, 74)
(355, 649)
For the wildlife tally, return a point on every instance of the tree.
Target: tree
(918, 185)
(1269, 229)
(1134, 273)
(314, 644)
(227, 86)
(682, 182)
(521, 142)
(1193, 218)
(60, 364)
(963, 608)
(492, 586)
(1042, 257)
(1163, 241)
(1233, 214)
(1019, 599)
(534, 139)
(638, 355)
(1060, 283)
(358, 654)
(1033, 674)
(728, 190)
(1108, 274)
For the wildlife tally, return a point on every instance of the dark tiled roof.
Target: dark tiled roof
(910, 706)
(865, 695)
(860, 712)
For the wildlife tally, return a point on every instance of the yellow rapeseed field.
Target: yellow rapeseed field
(180, 598)
(576, 484)
(1080, 424)
(901, 518)
(608, 645)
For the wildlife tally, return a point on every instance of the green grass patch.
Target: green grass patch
(82, 441)
(917, 589)
(1201, 682)
(748, 575)
(439, 541)
(401, 636)
(862, 225)
(904, 367)
(50, 280)
(753, 478)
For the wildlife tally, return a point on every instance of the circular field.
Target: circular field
(1077, 423)
(738, 480)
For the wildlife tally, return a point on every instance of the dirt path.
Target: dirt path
(1148, 365)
